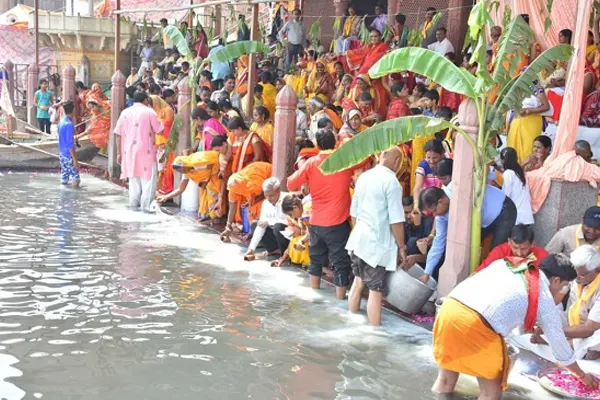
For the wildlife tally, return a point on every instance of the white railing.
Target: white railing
(90, 26)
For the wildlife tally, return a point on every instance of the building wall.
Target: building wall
(48, 5)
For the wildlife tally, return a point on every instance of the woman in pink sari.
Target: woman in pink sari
(208, 127)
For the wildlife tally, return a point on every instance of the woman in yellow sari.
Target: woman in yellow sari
(263, 126)
(203, 169)
(350, 32)
(363, 85)
(166, 115)
(320, 83)
(269, 92)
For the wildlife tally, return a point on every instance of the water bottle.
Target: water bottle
(245, 219)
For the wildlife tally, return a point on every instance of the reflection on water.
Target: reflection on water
(99, 302)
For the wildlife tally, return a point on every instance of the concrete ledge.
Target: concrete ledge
(564, 206)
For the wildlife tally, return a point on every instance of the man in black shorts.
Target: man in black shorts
(377, 240)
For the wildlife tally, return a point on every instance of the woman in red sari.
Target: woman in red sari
(363, 58)
(99, 109)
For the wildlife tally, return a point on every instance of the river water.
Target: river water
(99, 302)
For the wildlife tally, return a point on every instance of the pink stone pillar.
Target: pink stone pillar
(32, 86)
(284, 144)
(458, 244)
(184, 109)
(117, 104)
(9, 67)
(69, 83)
(341, 6)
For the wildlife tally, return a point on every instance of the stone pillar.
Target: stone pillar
(91, 8)
(69, 92)
(254, 35)
(9, 69)
(32, 86)
(84, 70)
(341, 6)
(457, 22)
(284, 144)
(218, 23)
(189, 199)
(458, 244)
(117, 104)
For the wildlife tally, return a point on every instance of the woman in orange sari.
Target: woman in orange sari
(320, 83)
(247, 146)
(241, 81)
(163, 107)
(99, 108)
(245, 188)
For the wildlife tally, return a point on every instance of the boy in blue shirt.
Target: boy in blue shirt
(69, 167)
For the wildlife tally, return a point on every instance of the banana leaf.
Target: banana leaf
(516, 38)
(430, 64)
(337, 25)
(234, 50)
(381, 137)
(363, 33)
(177, 39)
(145, 28)
(173, 135)
(314, 34)
(415, 38)
(387, 33)
(506, 16)
(513, 93)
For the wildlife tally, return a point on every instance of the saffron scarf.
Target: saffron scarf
(531, 278)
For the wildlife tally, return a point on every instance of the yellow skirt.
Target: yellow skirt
(523, 131)
(464, 343)
(297, 256)
(207, 204)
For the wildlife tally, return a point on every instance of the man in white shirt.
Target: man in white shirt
(483, 309)
(271, 222)
(378, 233)
(228, 92)
(442, 46)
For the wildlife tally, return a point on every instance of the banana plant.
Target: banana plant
(314, 34)
(178, 40)
(475, 87)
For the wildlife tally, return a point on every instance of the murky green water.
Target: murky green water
(98, 302)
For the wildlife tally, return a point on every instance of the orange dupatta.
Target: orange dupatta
(363, 58)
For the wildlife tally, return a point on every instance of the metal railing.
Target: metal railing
(19, 77)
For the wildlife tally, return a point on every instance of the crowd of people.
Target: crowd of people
(389, 212)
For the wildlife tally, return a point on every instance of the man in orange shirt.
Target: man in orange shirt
(329, 225)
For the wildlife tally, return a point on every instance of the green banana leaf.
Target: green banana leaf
(173, 136)
(415, 38)
(513, 93)
(430, 64)
(178, 40)
(387, 33)
(234, 50)
(337, 26)
(506, 16)
(517, 37)
(363, 33)
(548, 21)
(381, 137)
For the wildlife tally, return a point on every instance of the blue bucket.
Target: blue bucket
(245, 219)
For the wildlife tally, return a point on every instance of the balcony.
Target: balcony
(77, 33)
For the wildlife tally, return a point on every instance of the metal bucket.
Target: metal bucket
(406, 292)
